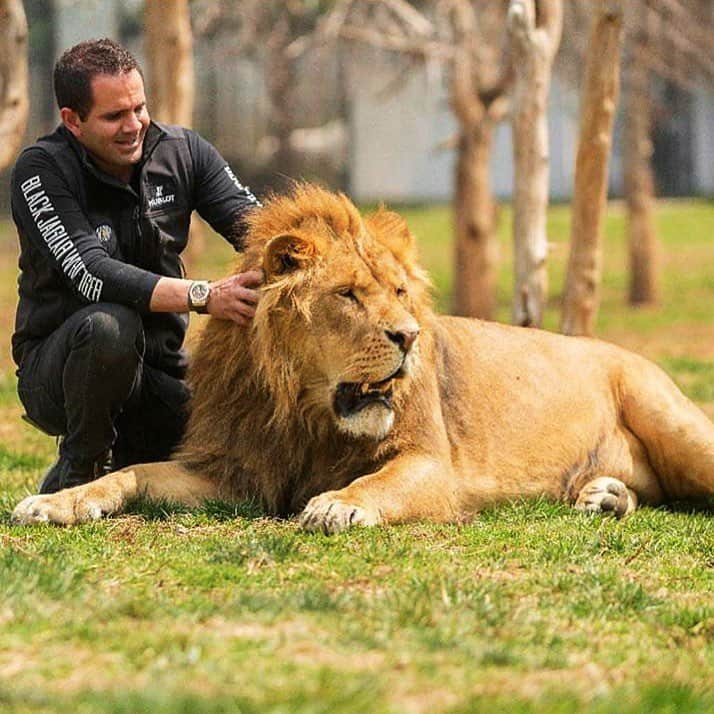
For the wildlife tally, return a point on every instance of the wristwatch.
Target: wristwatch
(199, 292)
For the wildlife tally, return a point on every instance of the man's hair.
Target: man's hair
(76, 68)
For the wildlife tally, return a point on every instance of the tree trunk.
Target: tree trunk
(639, 188)
(597, 113)
(280, 79)
(169, 45)
(478, 111)
(14, 86)
(475, 225)
(534, 41)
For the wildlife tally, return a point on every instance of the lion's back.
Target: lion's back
(505, 389)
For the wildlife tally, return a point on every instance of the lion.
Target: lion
(350, 400)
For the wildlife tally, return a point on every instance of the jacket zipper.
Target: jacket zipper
(137, 235)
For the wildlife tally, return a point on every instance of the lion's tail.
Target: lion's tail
(677, 436)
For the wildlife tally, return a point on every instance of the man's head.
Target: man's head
(100, 93)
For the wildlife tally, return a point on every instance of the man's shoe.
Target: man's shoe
(65, 473)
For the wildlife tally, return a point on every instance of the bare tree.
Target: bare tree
(14, 89)
(639, 185)
(169, 52)
(276, 35)
(535, 29)
(468, 39)
(666, 42)
(597, 113)
(168, 43)
(668, 39)
(479, 102)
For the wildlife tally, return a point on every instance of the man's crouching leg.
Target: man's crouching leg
(77, 381)
(168, 480)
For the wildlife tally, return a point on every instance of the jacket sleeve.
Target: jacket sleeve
(220, 198)
(49, 216)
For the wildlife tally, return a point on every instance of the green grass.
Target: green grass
(530, 608)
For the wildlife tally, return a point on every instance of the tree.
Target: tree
(14, 87)
(168, 42)
(468, 39)
(169, 45)
(597, 113)
(276, 35)
(667, 42)
(534, 29)
(478, 100)
(639, 185)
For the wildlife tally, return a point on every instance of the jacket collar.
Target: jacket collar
(153, 137)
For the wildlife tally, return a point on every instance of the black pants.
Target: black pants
(88, 381)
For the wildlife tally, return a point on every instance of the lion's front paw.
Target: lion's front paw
(328, 513)
(63, 508)
(606, 495)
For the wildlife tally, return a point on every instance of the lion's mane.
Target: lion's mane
(250, 427)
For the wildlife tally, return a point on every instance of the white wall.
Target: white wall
(399, 132)
(703, 149)
(79, 20)
(396, 133)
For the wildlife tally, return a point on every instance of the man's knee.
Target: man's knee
(115, 333)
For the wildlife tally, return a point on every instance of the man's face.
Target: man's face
(113, 132)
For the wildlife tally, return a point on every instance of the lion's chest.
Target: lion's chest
(334, 466)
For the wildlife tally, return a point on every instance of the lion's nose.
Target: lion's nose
(403, 337)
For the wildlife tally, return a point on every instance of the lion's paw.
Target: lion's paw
(62, 508)
(329, 514)
(606, 495)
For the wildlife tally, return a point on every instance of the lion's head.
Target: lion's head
(337, 329)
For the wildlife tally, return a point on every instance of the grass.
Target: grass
(531, 608)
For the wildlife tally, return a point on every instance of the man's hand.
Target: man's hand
(233, 299)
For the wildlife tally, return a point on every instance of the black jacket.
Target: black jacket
(87, 237)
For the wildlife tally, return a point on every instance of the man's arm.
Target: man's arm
(224, 202)
(49, 216)
(231, 298)
(220, 198)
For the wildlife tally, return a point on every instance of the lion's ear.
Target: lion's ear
(287, 253)
(390, 229)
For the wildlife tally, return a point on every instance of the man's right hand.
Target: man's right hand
(233, 298)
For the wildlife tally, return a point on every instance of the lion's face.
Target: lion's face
(362, 336)
(340, 308)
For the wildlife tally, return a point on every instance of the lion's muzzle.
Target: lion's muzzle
(404, 337)
(352, 397)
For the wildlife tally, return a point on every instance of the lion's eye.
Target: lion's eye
(401, 291)
(348, 294)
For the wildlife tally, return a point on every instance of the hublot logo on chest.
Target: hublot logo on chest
(159, 199)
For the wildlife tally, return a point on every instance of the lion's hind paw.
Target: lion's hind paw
(329, 514)
(606, 495)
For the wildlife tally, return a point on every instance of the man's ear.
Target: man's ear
(71, 120)
(287, 253)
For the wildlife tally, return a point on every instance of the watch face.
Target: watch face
(199, 293)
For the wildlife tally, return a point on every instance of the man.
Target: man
(102, 207)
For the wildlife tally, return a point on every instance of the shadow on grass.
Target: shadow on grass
(153, 510)
(704, 507)
(217, 510)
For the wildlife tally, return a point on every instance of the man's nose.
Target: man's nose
(132, 123)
